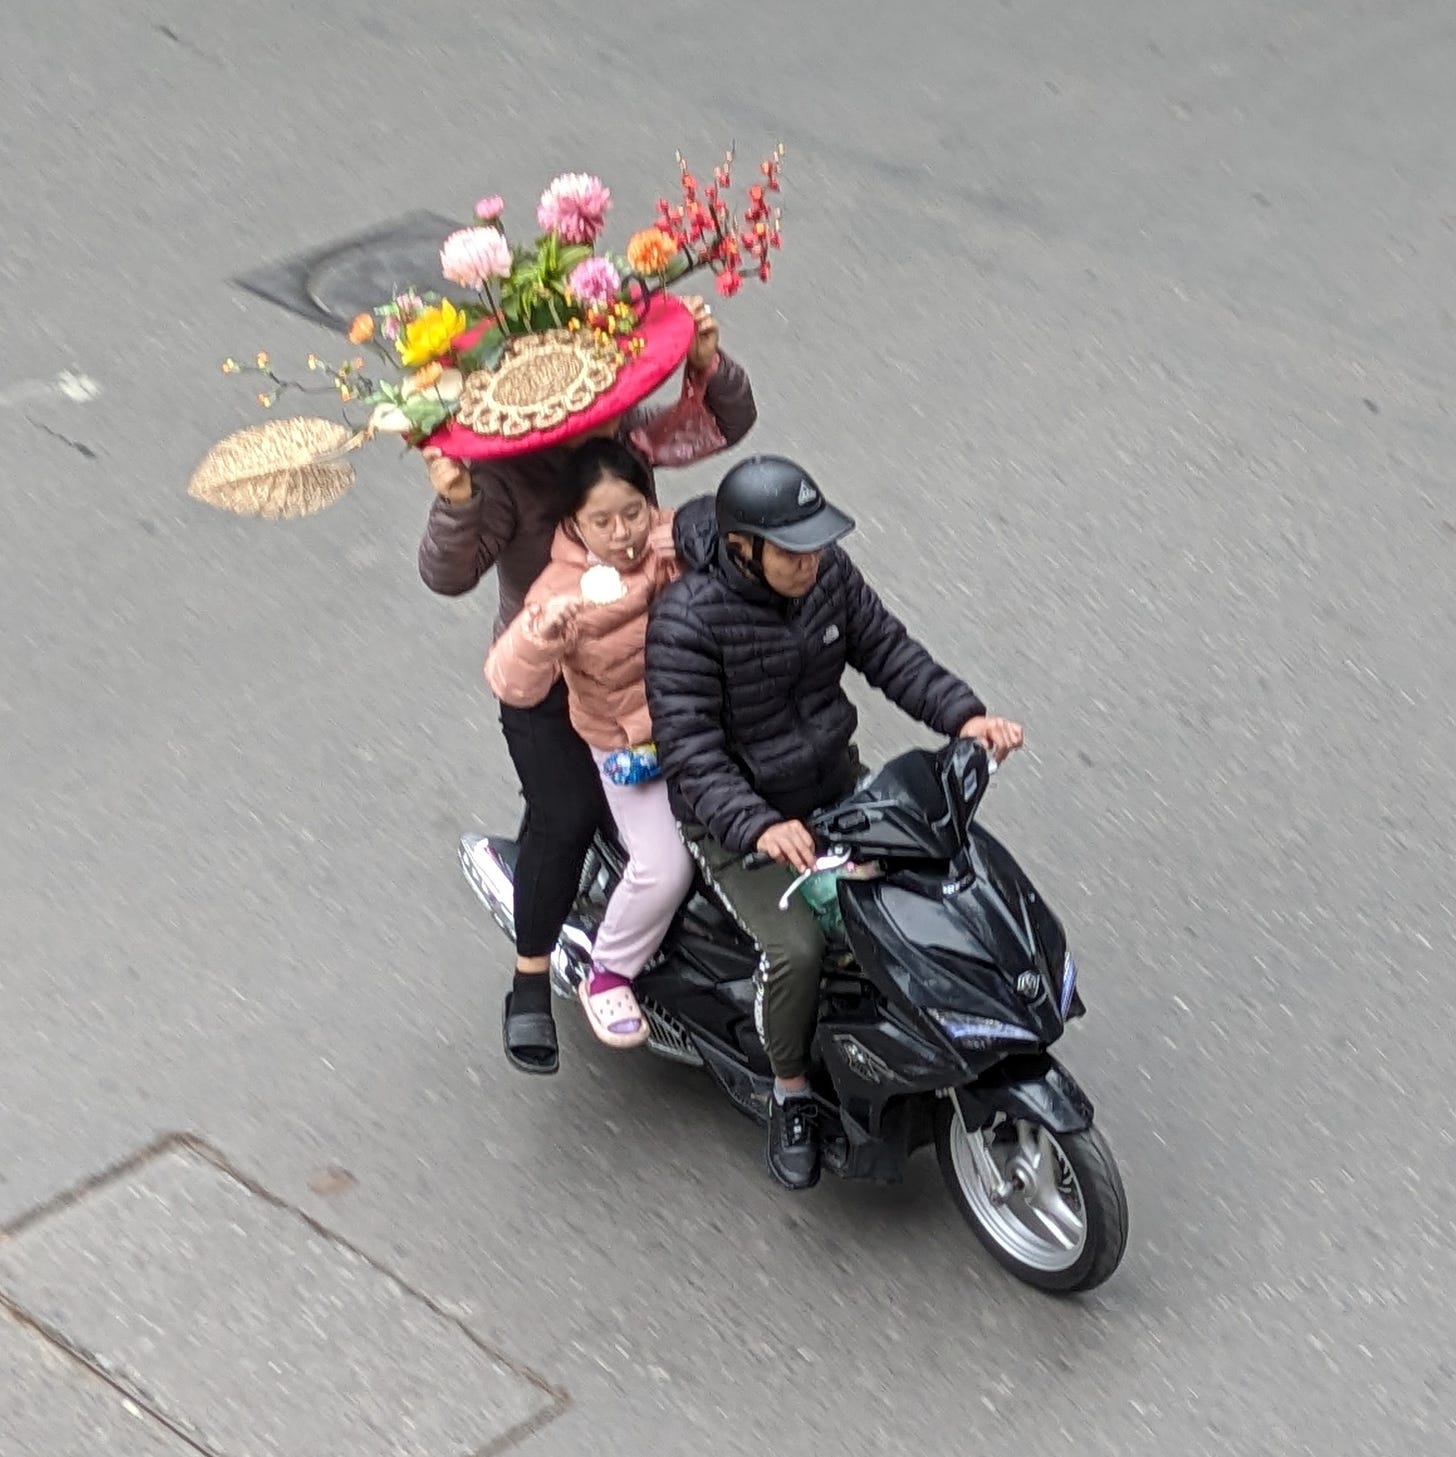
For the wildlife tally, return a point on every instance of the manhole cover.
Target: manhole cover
(328, 285)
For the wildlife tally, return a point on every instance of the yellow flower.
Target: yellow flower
(230, 366)
(262, 361)
(431, 334)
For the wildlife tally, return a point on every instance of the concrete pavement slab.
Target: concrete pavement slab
(244, 1325)
(51, 1405)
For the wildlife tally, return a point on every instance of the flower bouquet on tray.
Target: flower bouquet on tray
(561, 335)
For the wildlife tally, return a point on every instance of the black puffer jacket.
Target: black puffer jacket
(752, 723)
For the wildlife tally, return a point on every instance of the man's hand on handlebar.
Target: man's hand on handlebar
(789, 843)
(999, 735)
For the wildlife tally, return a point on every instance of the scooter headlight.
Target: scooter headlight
(980, 1033)
(1069, 983)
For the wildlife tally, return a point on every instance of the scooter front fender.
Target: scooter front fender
(1038, 1089)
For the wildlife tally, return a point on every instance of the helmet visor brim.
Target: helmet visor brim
(814, 533)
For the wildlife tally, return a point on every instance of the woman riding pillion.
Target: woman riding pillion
(501, 476)
(503, 515)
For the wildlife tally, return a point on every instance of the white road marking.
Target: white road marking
(69, 384)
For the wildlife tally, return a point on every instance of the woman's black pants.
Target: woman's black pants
(564, 806)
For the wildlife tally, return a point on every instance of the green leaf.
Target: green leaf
(541, 316)
(677, 265)
(426, 411)
(485, 353)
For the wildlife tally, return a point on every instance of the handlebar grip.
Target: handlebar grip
(755, 860)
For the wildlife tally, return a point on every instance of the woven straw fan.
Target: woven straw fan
(281, 468)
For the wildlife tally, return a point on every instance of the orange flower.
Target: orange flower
(361, 331)
(422, 379)
(650, 251)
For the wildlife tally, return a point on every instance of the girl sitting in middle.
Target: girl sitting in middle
(585, 619)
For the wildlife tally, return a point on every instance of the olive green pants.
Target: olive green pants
(790, 944)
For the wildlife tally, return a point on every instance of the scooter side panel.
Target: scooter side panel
(943, 950)
(708, 985)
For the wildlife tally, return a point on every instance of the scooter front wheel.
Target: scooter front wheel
(1050, 1207)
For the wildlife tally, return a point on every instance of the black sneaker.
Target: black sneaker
(793, 1141)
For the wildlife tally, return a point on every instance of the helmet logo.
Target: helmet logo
(807, 494)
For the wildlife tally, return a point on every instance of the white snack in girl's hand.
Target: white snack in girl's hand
(601, 586)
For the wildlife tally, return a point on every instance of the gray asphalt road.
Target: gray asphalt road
(1127, 331)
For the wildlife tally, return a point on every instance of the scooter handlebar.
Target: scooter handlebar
(756, 859)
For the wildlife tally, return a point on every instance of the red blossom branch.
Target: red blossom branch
(704, 228)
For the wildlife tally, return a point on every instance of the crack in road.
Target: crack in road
(78, 446)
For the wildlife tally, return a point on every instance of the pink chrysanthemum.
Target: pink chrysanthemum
(594, 281)
(574, 207)
(488, 209)
(471, 257)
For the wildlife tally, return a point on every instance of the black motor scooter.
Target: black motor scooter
(947, 979)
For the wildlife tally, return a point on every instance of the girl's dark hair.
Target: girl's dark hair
(592, 462)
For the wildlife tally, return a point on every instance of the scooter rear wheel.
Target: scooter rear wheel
(1050, 1207)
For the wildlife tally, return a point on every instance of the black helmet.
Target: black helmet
(771, 497)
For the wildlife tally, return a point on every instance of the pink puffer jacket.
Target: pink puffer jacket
(600, 655)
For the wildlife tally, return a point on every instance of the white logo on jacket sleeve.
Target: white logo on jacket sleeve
(807, 494)
(831, 633)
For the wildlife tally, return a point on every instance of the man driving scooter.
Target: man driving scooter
(745, 657)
